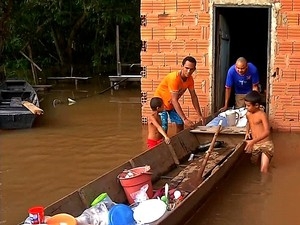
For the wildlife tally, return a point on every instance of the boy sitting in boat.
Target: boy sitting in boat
(155, 130)
(258, 141)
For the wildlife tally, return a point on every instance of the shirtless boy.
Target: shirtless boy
(258, 141)
(155, 130)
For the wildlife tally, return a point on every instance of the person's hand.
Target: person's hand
(201, 119)
(249, 146)
(224, 108)
(248, 136)
(189, 123)
(167, 140)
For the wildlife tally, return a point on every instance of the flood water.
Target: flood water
(71, 145)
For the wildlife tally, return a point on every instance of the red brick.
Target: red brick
(293, 33)
(204, 33)
(294, 61)
(158, 6)
(202, 46)
(190, 46)
(170, 6)
(146, 6)
(287, 5)
(158, 59)
(163, 71)
(165, 46)
(182, 33)
(293, 89)
(189, 20)
(280, 61)
(164, 21)
(152, 71)
(296, 47)
(288, 75)
(296, 6)
(146, 59)
(195, 5)
(171, 59)
(195, 32)
(177, 20)
(295, 127)
(296, 100)
(204, 19)
(158, 33)
(282, 33)
(152, 20)
(291, 116)
(152, 46)
(146, 33)
(177, 45)
(293, 19)
(284, 47)
(183, 6)
(170, 33)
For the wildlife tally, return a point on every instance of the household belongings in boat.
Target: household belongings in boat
(230, 118)
(189, 183)
(142, 209)
(19, 105)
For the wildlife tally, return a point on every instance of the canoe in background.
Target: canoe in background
(19, 105)
(169, 164)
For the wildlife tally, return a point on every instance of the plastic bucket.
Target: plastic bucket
(134, 179)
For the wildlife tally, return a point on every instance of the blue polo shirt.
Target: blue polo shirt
(242, 84)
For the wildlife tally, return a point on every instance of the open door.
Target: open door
(222, 52)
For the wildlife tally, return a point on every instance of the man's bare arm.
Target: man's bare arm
(177, 106)
(196, 104)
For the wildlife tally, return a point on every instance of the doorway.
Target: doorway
(239, 32)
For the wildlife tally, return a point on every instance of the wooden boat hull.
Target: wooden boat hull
(13, 115)
(169, 164)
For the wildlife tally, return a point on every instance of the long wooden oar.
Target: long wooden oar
(196, 179)
(208, 152)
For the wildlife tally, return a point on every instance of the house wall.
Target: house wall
(173, 29)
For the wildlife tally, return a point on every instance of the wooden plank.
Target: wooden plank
(32, 108)
(225, 130)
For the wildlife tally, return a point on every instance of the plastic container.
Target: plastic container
(121, 214)
(61, 218)
(104, 197)
(134, 179)
(95, 215)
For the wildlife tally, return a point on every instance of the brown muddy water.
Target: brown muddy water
(71, 145)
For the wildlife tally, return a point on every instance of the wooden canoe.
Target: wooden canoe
(169, 164)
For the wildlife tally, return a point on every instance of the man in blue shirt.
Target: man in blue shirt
(243, 76)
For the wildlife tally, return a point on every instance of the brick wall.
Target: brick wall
(173, 29)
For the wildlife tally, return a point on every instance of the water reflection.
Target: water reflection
(248, 197)
(71, 145)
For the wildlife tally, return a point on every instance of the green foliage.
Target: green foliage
(61, 32)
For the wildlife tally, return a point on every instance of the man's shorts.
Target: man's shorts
(266, 147)
(240, 100)
(174, 118)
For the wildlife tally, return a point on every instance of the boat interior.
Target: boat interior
(170, 164)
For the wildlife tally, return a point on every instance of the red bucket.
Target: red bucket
(134, 179)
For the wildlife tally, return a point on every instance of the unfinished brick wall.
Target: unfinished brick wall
(173, 29)
(285, 86)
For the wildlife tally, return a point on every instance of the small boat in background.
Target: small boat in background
(19, 105)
